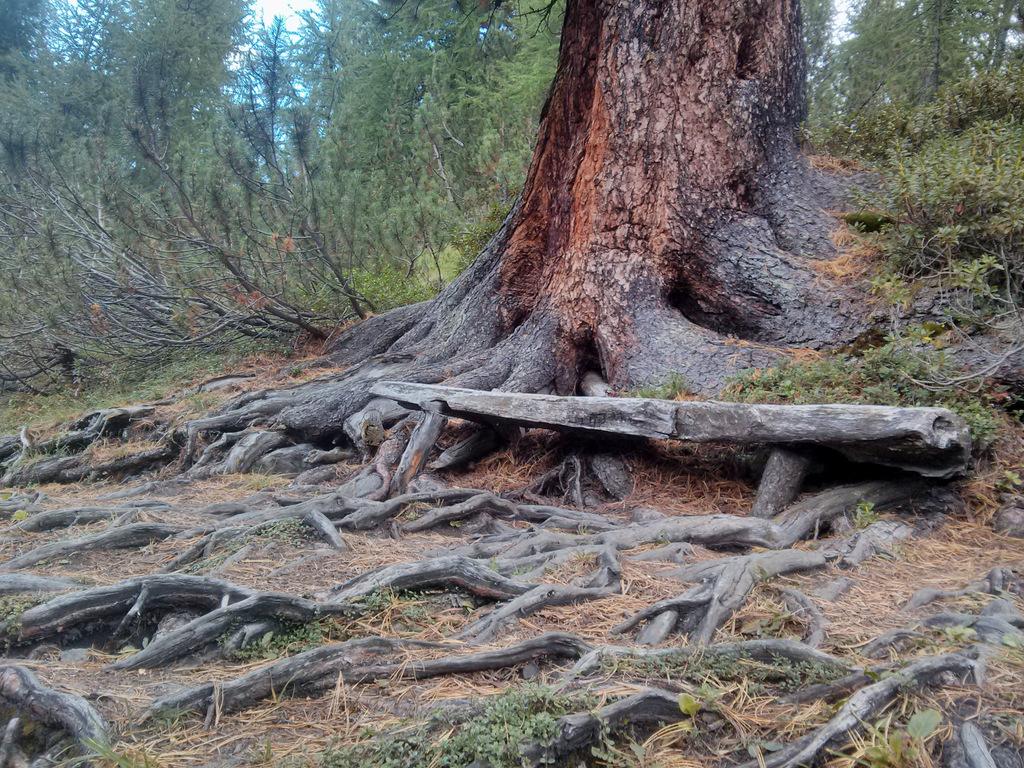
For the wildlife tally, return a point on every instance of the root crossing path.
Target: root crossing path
(484, 593)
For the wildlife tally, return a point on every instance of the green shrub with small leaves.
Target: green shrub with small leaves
(958, 207)
(892, 374)
(386, 286)
(291, 638)
(874, 134)
(951, 206)
(475, 237)
(494, 737)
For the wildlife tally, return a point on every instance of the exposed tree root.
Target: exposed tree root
(110, 604)
(582, 730)
(603, 582)
(723, 588)
(14, 583)
(994, 582)
(66, 518)
(122, 537)
(361, 661)
(804, 608)
(771, 650)
(502, 547)
(462, 572)
(863, 706)
(37, 703)
(71, 469)
(206, 629)
(781, 481)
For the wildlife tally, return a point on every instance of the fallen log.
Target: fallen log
(929, 441)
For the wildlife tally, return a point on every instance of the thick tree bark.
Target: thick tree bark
(668, 225)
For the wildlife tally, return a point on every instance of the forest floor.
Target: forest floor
(744, 710)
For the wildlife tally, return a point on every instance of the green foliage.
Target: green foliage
(12, 606)
(477, 234)
(291, 638)
(494, 737)
(671, 388)
(864, 515)
(892, 747)
(116, 384)
(959, 205)
(877, 132)
(896, 52)
(289, 531)
(199, 177)
(387, 286)
(887, 375)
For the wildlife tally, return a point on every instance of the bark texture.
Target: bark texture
(668, 225)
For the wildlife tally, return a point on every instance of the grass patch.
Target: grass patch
(113, 385)
(672, 388)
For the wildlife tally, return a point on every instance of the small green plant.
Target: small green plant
(778, 675)
(864, 515)
(1010, 481)
(291, 531)
(960, 635)
(900, 747)
(112, 758)
(12, 606)
(291, 638)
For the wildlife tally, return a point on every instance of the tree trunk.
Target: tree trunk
(668, 224)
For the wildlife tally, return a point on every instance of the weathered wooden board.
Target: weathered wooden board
(933, 442)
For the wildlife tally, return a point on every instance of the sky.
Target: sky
(286, 8)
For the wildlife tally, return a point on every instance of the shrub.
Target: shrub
(475, 237)
(387, 286)
(958, 204)
(493, 737)
(873, 134)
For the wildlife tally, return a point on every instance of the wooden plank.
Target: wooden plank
(933, 442)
